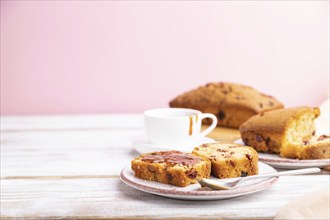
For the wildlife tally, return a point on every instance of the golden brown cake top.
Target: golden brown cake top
(226, 94)
(224, 151)
(277, 120)
(172, 157)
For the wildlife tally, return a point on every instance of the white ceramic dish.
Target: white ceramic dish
(143, 146)
(285, 163)
(194, 191)
(176, 125)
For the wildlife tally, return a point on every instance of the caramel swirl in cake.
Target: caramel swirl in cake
(174, 157)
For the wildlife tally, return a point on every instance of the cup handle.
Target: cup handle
(211, 127)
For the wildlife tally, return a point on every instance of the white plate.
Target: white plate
(286, 163)
(143, 146)
(194, 191)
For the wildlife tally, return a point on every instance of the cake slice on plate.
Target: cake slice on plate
(171, 167)
(316, 148)
(229, 160)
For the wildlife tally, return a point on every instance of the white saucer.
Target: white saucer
(144, 146)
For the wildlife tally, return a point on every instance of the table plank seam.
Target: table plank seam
(59, 177)
(70, 129)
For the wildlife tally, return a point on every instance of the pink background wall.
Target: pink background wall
(107, 56)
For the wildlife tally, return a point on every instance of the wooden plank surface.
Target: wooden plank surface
(110, 198)
(91, 122)
(71, 122)
(28, 150)
(68, 167)
(66, 153)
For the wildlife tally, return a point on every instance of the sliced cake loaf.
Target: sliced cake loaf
(229, 160)
(289, 132)
(171, 167)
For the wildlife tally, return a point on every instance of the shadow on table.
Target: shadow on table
(130, 193)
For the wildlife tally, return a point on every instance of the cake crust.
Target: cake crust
(288, 132)
(277, 121)
(232, 103)
(316, 148)
(171, 167)
(229, 160)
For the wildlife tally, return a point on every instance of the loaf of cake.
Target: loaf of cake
(171, 167)
(229, 160)
(232, 103)
(289, 132)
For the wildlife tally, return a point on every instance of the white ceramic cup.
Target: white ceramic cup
(176, 125)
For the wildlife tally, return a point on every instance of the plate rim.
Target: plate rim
(281, 162)
(193, 193)
(143, 143)
(295, 161)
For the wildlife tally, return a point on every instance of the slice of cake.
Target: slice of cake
(232, 103)
(289, 132)
(229, 160)
(171, 167)
(316, 148)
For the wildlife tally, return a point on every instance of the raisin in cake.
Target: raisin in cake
(232, 103)
(171, 167)
(316, 148)
(289, 132)
(229, 160)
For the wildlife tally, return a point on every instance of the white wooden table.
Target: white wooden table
(68, 167)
